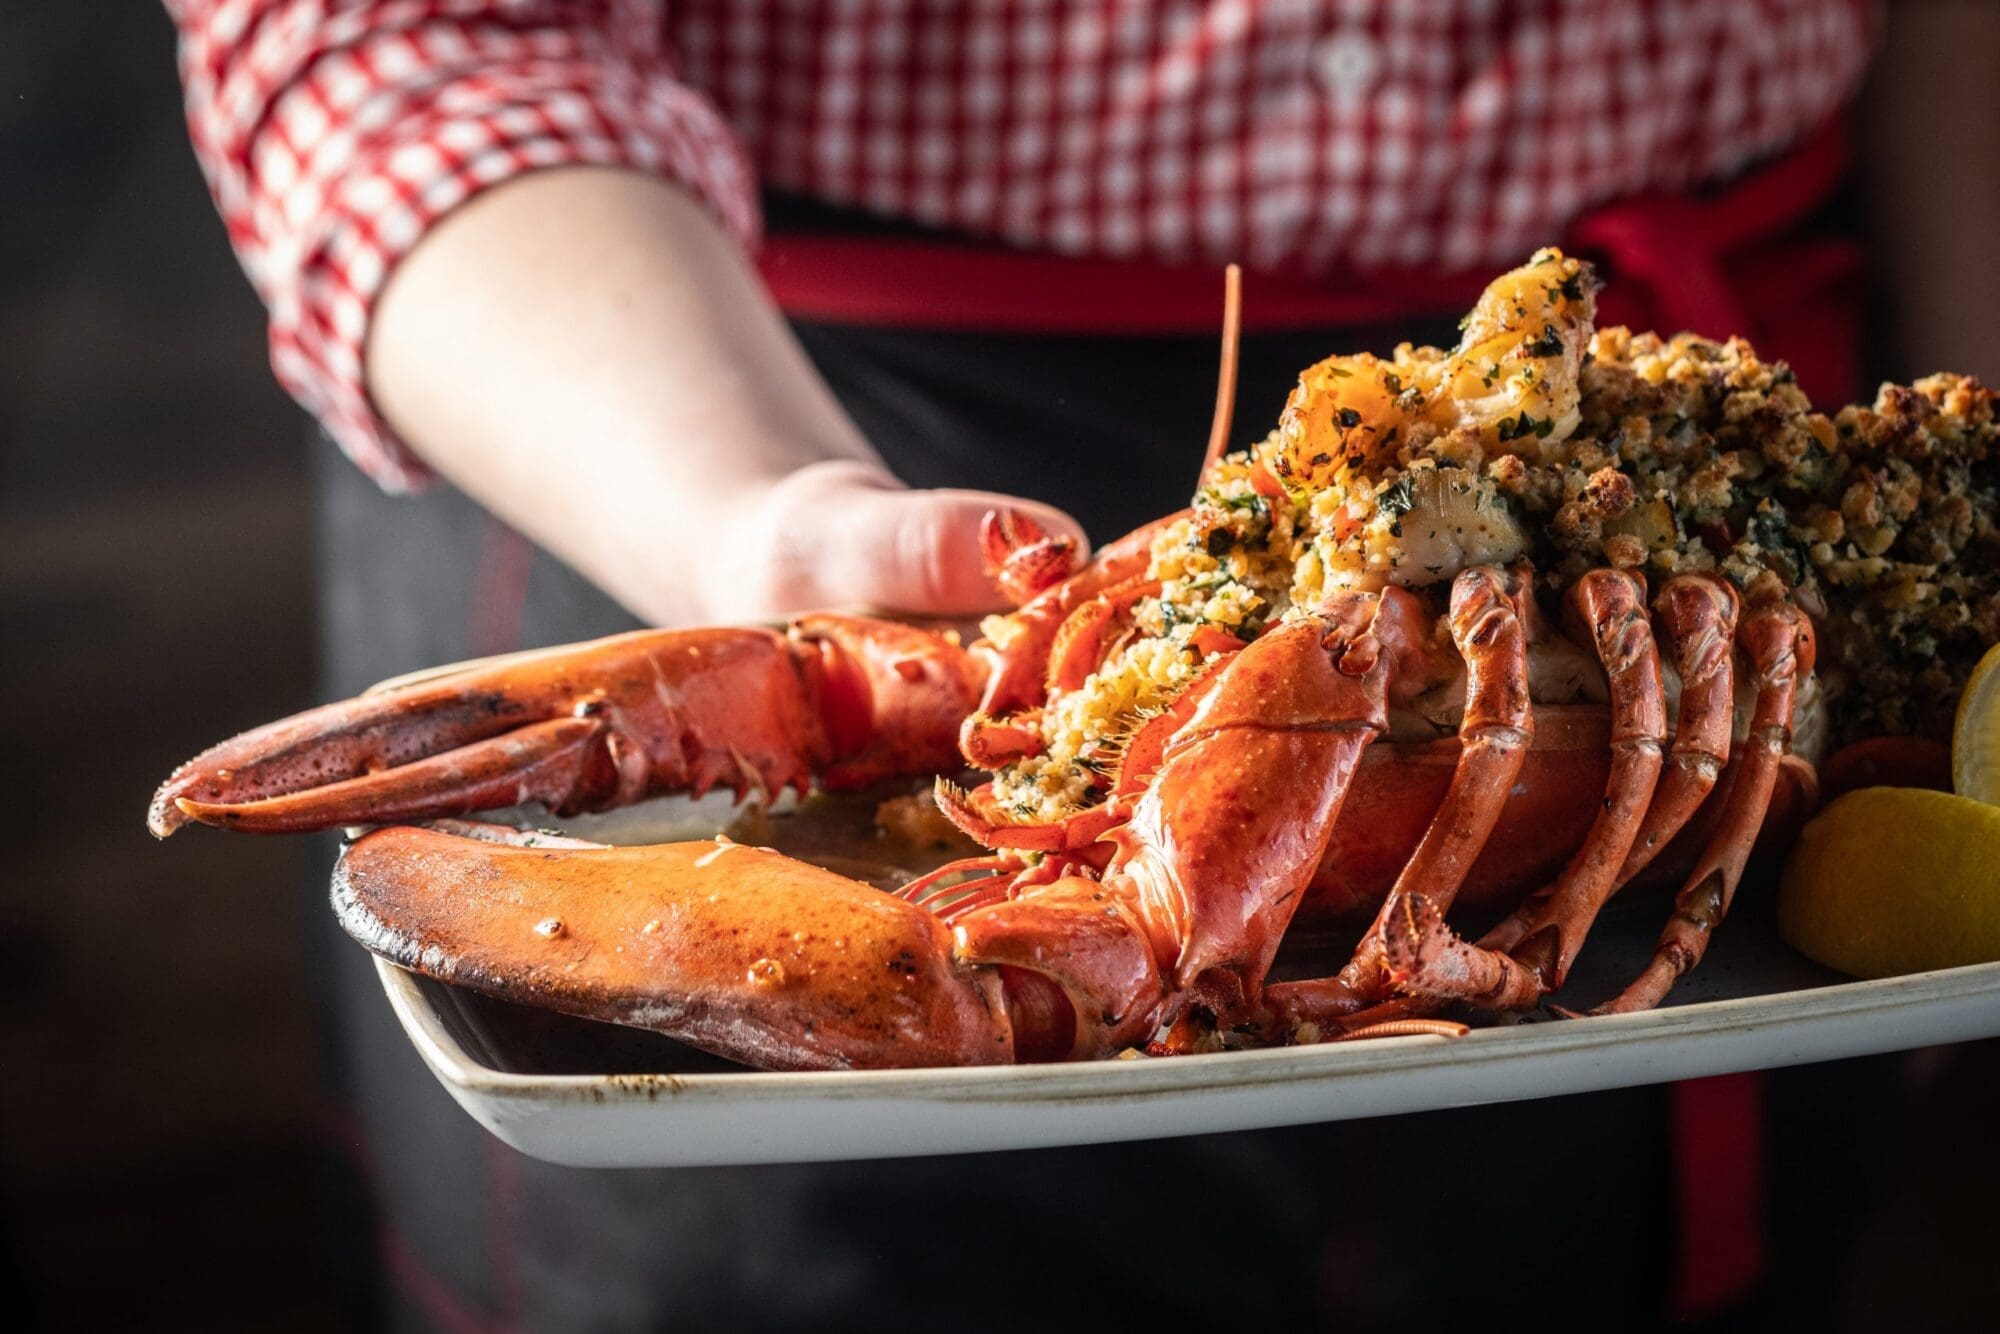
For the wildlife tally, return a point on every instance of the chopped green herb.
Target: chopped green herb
(1523, 426)
(1396, 499)
(1255, 506)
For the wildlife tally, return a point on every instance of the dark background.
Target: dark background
(157, 1107)
(163, 1152)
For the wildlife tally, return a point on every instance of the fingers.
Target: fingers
(846, 533)
(928, 557)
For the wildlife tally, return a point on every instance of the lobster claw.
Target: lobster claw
(550, 762)
(575, 728)
(741, 951)
(591, 726)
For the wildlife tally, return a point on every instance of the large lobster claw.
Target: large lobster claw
(739, 950)
(844, 700)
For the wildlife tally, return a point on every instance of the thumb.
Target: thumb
(885, 546)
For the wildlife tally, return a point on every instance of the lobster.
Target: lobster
(1406, 732)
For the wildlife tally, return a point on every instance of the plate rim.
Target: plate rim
(1146, 1078)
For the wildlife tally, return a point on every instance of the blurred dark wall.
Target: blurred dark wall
(157, 1113)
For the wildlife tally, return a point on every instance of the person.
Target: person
(715, 311)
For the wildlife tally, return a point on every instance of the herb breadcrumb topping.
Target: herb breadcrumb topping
(1538, 437)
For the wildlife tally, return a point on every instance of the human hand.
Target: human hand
(844, 532)
(586, 354)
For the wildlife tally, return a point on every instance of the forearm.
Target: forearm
(586, 353)
(1933, 174)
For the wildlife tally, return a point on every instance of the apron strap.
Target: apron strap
(1731, 263)
(1717, 1138)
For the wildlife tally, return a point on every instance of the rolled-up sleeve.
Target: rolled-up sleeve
(334, 133)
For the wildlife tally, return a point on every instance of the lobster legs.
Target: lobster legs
(1699, 615)
(1410, 961)
(1780, 643)
(1427, 959)
(1530, 952)
(1487, 626)
(1002, 728)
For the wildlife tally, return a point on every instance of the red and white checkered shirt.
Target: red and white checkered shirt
(1291, 135)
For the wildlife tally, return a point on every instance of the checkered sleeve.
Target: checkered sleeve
(333, 133)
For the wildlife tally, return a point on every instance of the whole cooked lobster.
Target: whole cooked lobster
(1330, 686)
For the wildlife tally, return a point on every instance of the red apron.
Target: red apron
(1728, 261)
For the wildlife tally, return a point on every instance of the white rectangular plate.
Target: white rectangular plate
(591, 1095)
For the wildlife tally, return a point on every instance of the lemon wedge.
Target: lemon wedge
(1975, 735)
(1891, 880)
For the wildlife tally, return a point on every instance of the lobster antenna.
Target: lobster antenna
(1225, 380)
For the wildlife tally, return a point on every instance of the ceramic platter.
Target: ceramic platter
(586, 1094)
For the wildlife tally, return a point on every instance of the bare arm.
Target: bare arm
(1934, 183)
(585, 352)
